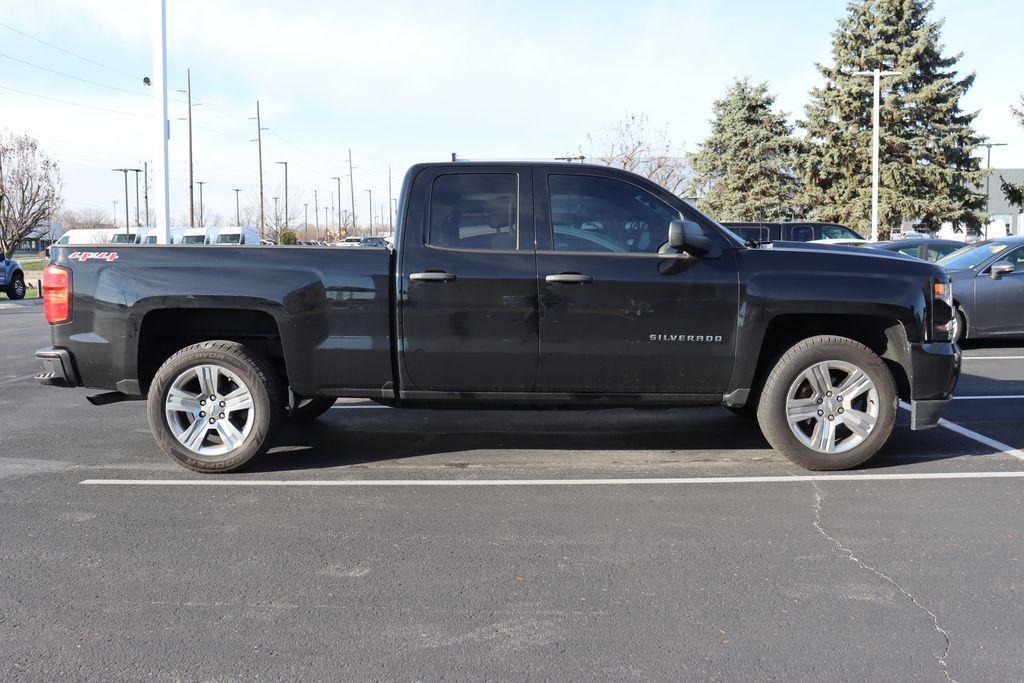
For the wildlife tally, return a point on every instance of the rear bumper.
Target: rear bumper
(58, 368)
(933, 373)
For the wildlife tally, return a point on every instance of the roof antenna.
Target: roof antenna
(453, 156)
(569, 159)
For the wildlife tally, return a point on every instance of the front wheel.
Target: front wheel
(16, 288)
(214, 406)
(829, 404)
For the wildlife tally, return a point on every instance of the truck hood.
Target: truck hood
(819, 247)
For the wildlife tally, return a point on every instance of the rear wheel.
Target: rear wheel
(16, 287)
(829, 404)
(214, 406)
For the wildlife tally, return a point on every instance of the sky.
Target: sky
(404, 82)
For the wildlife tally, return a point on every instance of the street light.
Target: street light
(238, 219)
(125, 171)
(876, 74)
(988, 179)
(338, 178)
(202, 215)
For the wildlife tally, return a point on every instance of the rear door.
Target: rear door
(468, 281)
(617, 318)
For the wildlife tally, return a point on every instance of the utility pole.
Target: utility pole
(332, 211)
(259, 146)
(371, 211)
(274, 216)
(285, 163)
(876, 74)
(316, 214)
(137, 172)
(202, 214)
(161, 127)
(988, 179)
(391, 216)
(191, 199)
(145, 187)
(351, 189)
(338, 178)
(238, 214)
(327, 225)
(125, 172)
(305, 219)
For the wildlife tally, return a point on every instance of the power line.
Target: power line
(83, 80)
(76, 104)
(69, 52)
(319, 157)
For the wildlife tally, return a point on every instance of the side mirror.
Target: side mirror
(1001, 268)
(687, 236)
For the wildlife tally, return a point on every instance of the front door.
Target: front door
(468, 287)
(617, 317)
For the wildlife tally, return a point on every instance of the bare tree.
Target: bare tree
(84, 219)
(631, 144)
(29, 189)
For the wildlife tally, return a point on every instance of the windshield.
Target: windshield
(972, 255)
(193, 239)
(122, 238)
(229, 238)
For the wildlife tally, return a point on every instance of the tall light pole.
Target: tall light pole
(370, 192)
(338, 178)
(876, 74)
(125, 172)
(161, 126)
(259, 147)
(238, 213)
(351, 189)
(988, 179)
(202, 214)
(305, 219)
(327, 224)
(285, 163)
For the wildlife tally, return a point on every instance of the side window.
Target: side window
(1017, 259)
(592, 214)
(911, 251)
(800, 233)
(475, 211)
(752, 232)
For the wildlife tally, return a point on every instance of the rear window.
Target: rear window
(475, 211)
(193, 239)
(235, 238)
(838, 232)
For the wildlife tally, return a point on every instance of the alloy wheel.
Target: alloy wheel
(832, 406)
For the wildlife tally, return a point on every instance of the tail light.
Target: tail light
(942, 314)
(56, 294)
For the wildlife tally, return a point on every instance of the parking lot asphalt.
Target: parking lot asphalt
(614, 544)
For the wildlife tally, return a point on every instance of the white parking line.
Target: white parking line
(999, 446)
(909, 476)
(987, 398)
(349, 406)
(993, 357)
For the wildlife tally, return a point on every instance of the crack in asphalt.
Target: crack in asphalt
(941, 658)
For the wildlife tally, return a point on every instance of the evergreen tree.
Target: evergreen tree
(745, 168)
(927, 171)
(1015, 193)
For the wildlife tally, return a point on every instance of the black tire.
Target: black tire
(261, 382)
(16, 287)
(309, 409)
(772, 410)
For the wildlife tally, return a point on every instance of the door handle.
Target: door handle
(432, 276)
(568, 279)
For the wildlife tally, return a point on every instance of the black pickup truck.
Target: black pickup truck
(510, 285)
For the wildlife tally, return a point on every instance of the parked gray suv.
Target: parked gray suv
(12, 278)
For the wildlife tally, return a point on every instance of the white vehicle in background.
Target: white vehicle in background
(237, 235)
(195, 236)
(148, 235)
(350, 242)
(85, 236)
(122, 235)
